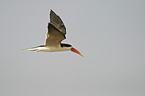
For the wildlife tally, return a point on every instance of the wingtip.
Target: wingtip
(51, 11)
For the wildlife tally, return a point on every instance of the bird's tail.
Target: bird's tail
(31, 49)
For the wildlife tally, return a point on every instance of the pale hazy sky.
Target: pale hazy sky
(109, 33)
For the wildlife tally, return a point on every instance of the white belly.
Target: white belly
(48, 49)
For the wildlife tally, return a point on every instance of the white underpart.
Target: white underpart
(50, 49)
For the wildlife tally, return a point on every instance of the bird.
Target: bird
(55, 35)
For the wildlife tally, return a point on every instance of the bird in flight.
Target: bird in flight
(56, 34)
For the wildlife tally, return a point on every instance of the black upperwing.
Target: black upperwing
(56, 30)
(56, 21)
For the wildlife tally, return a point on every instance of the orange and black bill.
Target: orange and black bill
(76, 51)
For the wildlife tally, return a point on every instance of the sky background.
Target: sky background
(109, 33)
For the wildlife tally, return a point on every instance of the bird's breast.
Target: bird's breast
(51, 49)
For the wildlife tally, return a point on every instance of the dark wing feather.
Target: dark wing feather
(56, 21)
(54, 36)
(56, 31)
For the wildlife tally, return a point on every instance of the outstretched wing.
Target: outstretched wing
(56, 21)
(56, 30)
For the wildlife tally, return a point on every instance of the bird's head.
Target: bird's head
(69, 47)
